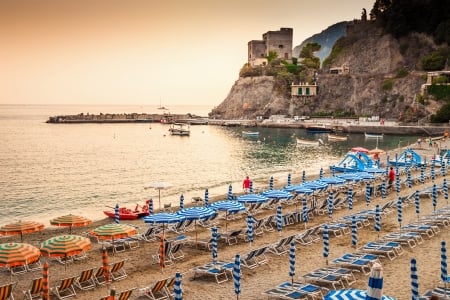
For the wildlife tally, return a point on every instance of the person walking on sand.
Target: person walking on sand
(391, 176)
(246, 184)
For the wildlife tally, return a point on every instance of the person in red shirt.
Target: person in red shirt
(391, 176)
(246, 184)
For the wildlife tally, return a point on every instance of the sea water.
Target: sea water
(49, 170)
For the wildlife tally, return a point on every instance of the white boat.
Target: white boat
(315, 143)
(373, 136)
(335, 137)
(179, 129)
(250, 133)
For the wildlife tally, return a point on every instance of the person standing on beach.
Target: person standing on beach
(246, 184)
(391, 176)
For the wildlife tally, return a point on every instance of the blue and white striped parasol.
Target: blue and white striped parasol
(377, 225)
(227, 207)
(445, 188)
(271, 183)
(230, 192)
(408, 177)
(279, 219)
(303, 176)
(289, 181)
(150, 207)
(399, 211)
(181, 201)
(434, 196)
(350, 294)
(432, 171)
(417, 203)
(299, 189)
(350, 198)
(354, 232)
(237, 275)
(277, 194)
(422, 174)
(444, 274)
(326, 243)
(214, 238)
(250, 222)
(368, 193)
(304, 210)
(414, 280)
(196, 213)
(116, 214)
(206, 197)
(321, 173)
(163, 218)
(252, 198)
(330, 204)
(397, 180)
(375, 286)
(292, 261)
(177, 289)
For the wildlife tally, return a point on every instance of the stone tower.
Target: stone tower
(279, 41)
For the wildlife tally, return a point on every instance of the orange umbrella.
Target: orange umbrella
(377, 151)
(70, 221)
(45, 290)
(18, 254)
(105, 264)
(65, 246)
(360, 149)
(114, 231)
(21, 227)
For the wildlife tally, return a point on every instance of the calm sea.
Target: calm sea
(49, 170)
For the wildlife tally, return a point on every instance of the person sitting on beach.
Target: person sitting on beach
(391, 176)
(246, 184)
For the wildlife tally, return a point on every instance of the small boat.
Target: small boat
(180, 129)
(319, 129)
(373, 136)
(315, 143)
(129, 214)
(250, 133)
(335, 137)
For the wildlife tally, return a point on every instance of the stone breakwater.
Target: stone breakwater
(121, 118)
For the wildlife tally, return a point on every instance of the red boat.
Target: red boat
(129, 214)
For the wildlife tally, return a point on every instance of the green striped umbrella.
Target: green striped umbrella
(114, 231)
(18, 254)
(21, 227)
(65, 246)
(70, 221)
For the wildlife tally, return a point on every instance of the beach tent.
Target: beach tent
(407, 157)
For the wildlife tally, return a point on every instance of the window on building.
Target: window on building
(280, 46)
(300, 91)
(307, 91)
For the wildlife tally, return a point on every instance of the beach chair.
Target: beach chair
(156, 291)
(260, 256)
(117, 270)
(85, 281)
(176, 251)
(268, 223)
(231, 237)
(6, 291)
(363, 265)
(338, 229)
(167, 256)
(35, 266)
(35, 291)
(170, 283)
(282, 246)
(402, 238)
(125, 295)
(65, 288)
(313, 291)
(285, 293)
(248, 260)
(309, 236)
(258, 227)
(218, 270)
(100, 276)
(150, 235)
(210, 221)
(178, 227)
(347, 274)
(321, 278)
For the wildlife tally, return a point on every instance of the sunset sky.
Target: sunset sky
(143, 51)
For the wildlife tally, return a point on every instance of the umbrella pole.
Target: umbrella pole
(159, 198)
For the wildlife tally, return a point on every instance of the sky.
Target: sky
(144, 52)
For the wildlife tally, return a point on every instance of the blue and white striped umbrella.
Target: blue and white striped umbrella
(206, 197)
(383, 189)
(350, 294)
(177, 289)
(289, 179)
(354, 232)
(444, 274)
(330, 204)
(196, 213)
(432, 171)
(422, 174)
(304, 210)
(368, 193)
(271, 183)
(408, 177)
(214, 237)
(350, 198)
(434, 196)
(351, 177)
(279, 219)
(443, 169)
(332, 180)
(445, 188)
(252, 198)
(303, 176)
(414, 280)
(116, 214)
(250, 222)
(163, 218)
(292, 261)
(250, 188)
(399, 211)
(377, 225)
(181, 201)
(375, 286)
(321, 173)
(230, 192)
(150, 207)
(299, 189)
(237, 275)
(417, 203)
(397, 181)
(277, 194)
(326, 243)
(227, 207)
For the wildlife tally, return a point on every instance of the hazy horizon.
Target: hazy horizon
(137, 52)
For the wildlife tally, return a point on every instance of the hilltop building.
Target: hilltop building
(279, 42)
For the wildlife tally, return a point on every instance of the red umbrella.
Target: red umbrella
(21, 227)
(360, 149)
(45, 290)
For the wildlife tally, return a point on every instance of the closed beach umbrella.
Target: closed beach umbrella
(289, 179)
(177, 289)
(18, 254)
(377, 220)
(444, 274)
(350, 198)
(117, 214)
(375, 287)
(422, 174)
(271, 183)
(397, 181)
(250, 222)
(383, 189)
(279, 219)
(326, 243)
(303, 176)
(214, 236)
(181, 201)
(105, 264)
(305, 210)
(292, 261)
(230, 192)
(330, 204)
(70, 221)
(432, 171)
(150, 207)
(45, 283)
(354, 232)
(368, 193)
(414, 280)
(443, 168)
(399, 211)
(162, 253)
(417, 203)
(445, 188)
(206, 197)
(321, 173)
(434, 196)
(237, 275)
(408, 177)
(20, 228)
(250, 189)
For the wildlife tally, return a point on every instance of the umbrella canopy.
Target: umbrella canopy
(237, 275)
(350, 294)
(376, 151)
(277, 194)
(18, 254)
(196, 213)
(158, 185)
(332, 180)
(228, 207)
(113, 231)
(299, 189)
(414, 280)
(65, 246)
(315, 185)
(350, 176)
(164, 218)
(20, 228)
(70, 221)
(252, 198)
(360, 149)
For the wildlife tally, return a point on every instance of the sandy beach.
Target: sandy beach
(142, 272)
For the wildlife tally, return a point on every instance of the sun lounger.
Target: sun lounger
(85, 281)
(157, 290)
(313, 291)
(282, 246)
(117, 270)
(337, 229)
(386, 249)
(65, 288)
(250, 260)
(283, 293)
(323, 278)
(6, 291)
(424, 229)
(124, 295)
(346, 274)
(364, 265)
(100, 276)
(218, 270)
(35, 290)
(231, 237)
(406, 238)
(308, 236)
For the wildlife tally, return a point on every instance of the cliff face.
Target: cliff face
(372, 87)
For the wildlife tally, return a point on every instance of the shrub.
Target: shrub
(387, 85)
(402, 72)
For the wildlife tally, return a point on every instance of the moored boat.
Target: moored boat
(373, 136)
(180, 129)
(250, 133)
(319, 129)
(302, 142)
(335, 137)
(130, 214)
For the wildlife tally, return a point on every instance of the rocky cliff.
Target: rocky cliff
(384, 79)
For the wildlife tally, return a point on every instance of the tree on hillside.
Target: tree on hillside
(272, 56)
(307, 54)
